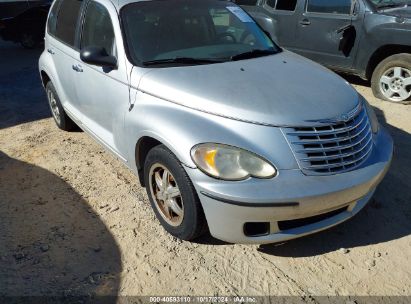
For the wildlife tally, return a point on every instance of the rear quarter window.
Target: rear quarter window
(342, 7)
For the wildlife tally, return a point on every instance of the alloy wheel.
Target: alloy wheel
(53, 106)
(395, 84)
(166, 195)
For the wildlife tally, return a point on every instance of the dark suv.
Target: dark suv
(24, 21)
(368, 38)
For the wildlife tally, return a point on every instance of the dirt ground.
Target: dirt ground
(74, 221)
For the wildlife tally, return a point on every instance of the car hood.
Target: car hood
(281, 90)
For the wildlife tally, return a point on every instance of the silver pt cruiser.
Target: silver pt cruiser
(225, 129)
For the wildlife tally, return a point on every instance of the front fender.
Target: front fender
(180, 128)
(47, 66)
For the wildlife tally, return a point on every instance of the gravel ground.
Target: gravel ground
(74, 221)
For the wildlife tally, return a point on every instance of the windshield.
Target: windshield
(389, 3)
(176, 32)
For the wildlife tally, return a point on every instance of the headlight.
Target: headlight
(230, 163)
(372, 116)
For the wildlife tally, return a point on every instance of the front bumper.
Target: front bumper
(228, 206)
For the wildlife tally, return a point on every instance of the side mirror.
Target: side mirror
(98, 56)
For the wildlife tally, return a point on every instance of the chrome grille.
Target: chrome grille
(332, 148)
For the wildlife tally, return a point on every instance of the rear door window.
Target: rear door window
(342, 7)
(282, 5)
(286, 5)
(67, 21)
(246, 2)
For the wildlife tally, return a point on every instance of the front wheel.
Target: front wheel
(172, 195)
(391, 79)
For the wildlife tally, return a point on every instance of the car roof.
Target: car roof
(120, 3)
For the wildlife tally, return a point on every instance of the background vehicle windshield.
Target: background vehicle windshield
(389, 3)
(203, 29)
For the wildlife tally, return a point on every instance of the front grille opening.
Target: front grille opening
(303, 137)
(291, 224)
(312, 146)
(349, 158)
(332, 153)
(350, 166)
(256, 229)
(315, 154)
(330, 145)
(334, 161)
(335, 148)
(347, 150)
(325, 128)
(304, 129)
(329, 136)
(337, 169)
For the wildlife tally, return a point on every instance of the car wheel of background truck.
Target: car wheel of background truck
(172, 195)
(28, 41)
(60, 117)
(391, 79)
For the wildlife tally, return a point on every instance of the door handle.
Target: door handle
(305, 22)
(77, 68)
(50, 51)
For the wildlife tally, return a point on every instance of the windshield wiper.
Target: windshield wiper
(253, 54)
(182, 60)
(391, 4)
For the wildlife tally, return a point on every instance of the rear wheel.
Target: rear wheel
(60, 117)
(172, 195)
(391, 79)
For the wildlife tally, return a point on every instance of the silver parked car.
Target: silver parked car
(224, 129)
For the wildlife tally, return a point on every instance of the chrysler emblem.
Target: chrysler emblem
(345, 117)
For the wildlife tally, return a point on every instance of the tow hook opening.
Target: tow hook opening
(255, 229)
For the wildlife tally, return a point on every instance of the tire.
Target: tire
(192, 224)
(28, 41)
(392, 77)
(59, 115)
